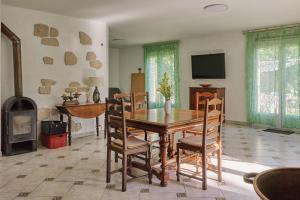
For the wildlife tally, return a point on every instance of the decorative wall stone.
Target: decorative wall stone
(41, 30)
(70, 58)
(43, 113)
(48, 60)
(50, 42)
(83, 89)
(85, 39)
(75, 84)
(91, 56)
(48, 82)
(95, 64)
(45, 90)
(53, 32)
(76, 126)
(70, 89)
(47, 113)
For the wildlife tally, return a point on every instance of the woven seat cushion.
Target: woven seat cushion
(196, 141)
(132, 142)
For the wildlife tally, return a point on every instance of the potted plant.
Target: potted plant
(166, 90)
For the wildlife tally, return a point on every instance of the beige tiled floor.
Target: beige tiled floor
(78, 172)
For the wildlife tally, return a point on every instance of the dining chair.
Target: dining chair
(201, 97)
(119, 142)
(140, 102)
(200, 105)
(207, 143)
(126, 97)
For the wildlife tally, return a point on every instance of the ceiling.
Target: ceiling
(144, 21)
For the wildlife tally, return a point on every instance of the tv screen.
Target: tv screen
(209, 66)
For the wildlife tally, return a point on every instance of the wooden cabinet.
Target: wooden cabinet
(220, 93)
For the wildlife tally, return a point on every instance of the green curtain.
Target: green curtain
(273, 77)
(158, 59)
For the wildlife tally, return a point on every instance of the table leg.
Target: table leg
(97, 125)
(70, 129)
(163, 158)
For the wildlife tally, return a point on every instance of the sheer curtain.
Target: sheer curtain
(273, 77)
(158, 59)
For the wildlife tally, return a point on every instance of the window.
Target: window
(273, 67)
(160, 58)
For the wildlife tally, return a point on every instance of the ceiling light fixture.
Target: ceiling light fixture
(216, 7)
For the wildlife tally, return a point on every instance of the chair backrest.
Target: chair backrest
(213, 119)
(126, 98)
(201, 97)
(140, 101)
(115, 119)
(112, 91)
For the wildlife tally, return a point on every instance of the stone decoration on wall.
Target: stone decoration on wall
(91, 56)
(95, 64)
(76, 126)
(48, 82)
(41, 30)
(83, 89)
(70, 58)
(48, 60)
(45, 90)
(46, 86)
(75, 84)
(84, 38)
(47, 113)
(50, 42)
(53, 32)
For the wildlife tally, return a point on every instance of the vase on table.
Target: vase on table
(168, 106)
(96, 95)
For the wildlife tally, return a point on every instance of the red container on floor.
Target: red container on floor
(54, 141)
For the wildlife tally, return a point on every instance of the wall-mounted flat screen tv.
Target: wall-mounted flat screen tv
(208, 66)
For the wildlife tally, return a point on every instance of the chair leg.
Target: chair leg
(108, 165)
(204, 183)
(183, 136)
(124, 172)
(146, 136)
(148, 160)
(116, 157)
(219, 154)
(178, 163)
(129, 165)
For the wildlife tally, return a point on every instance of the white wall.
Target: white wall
(131, 59)
(232, 43)
(113, 67)
(21, 21)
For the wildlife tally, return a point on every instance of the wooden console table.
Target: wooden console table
(86, 111)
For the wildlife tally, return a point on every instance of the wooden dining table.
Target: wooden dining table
(156, 120)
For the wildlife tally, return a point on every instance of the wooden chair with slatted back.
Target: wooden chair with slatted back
(201, 98)
(140, 101)
(126, 99)
(207, 143)
(118, 141)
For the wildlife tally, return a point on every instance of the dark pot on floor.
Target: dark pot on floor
(276, 184)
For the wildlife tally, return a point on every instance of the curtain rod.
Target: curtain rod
(271, 28)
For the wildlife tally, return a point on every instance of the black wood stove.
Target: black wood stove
(19, 113)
